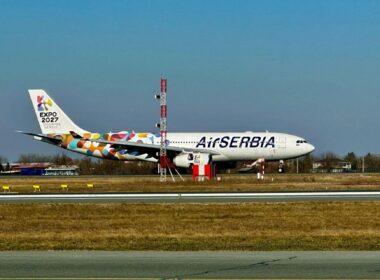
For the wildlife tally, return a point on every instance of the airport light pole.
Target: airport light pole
(165, 163)
(363, 166)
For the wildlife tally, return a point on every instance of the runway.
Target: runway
(189, 265)
(191, 197)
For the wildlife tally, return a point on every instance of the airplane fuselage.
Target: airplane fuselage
(58, 129)
(229, 146)
(238, 146)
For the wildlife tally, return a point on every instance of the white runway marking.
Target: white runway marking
(201, 197)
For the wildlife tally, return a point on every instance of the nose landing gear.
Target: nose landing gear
(281, 166)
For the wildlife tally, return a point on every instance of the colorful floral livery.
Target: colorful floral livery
(90, 144)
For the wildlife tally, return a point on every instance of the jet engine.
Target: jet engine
(183, 160)
(186, 160)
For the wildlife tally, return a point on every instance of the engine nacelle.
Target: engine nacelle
(185, 160)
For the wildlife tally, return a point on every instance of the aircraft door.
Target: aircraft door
(279, 147)
(281, 142)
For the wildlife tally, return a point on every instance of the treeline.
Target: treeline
(326, 161)
(4, 164)
(329, 161)
(91, 166)
(88, 165)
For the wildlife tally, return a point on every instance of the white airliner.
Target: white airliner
(223, 148)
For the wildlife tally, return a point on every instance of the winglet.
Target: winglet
(44, 138)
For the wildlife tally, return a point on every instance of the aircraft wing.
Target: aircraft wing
(150, 148)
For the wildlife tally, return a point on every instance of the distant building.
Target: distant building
(317, 165)
(339, 167)
(62, 171)
(37, 169)
(40, 169)
(342, 167)
(14, 169)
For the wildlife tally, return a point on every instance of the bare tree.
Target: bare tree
(34, 158)
(3, 160)
(353, 159)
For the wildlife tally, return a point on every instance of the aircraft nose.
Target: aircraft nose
(311, 148)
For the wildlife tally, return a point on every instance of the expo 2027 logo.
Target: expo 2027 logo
(44, 103)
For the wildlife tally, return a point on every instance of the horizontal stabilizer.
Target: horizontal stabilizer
(43, 138)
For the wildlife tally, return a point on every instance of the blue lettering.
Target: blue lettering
(255, 142)
(224, 142)
(245, 141)
(209, 143)
(262, 142)
(234, 142)
(201, 143)
(270, 142)
(215, 141)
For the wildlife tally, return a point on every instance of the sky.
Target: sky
(309, 68)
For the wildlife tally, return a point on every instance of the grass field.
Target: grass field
(245, 226)
(273, 182)
(234, 226)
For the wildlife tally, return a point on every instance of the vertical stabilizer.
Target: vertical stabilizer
(50, 116)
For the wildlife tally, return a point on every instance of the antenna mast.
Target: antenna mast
(163, 131)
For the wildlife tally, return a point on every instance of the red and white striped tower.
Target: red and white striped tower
(262, 169)
(163, 131)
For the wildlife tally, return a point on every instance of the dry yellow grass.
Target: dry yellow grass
(288, 182)
(245, 226)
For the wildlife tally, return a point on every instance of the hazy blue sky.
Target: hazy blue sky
(309, 68)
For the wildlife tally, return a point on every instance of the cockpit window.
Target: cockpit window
(301, 141)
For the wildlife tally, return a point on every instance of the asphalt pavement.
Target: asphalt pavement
(189, 265)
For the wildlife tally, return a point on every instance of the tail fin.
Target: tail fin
(50, 116)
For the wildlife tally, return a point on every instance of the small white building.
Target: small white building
(72, 170)
(342, 167)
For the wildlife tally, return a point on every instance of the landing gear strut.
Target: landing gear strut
(260, 175)
(281, 166)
